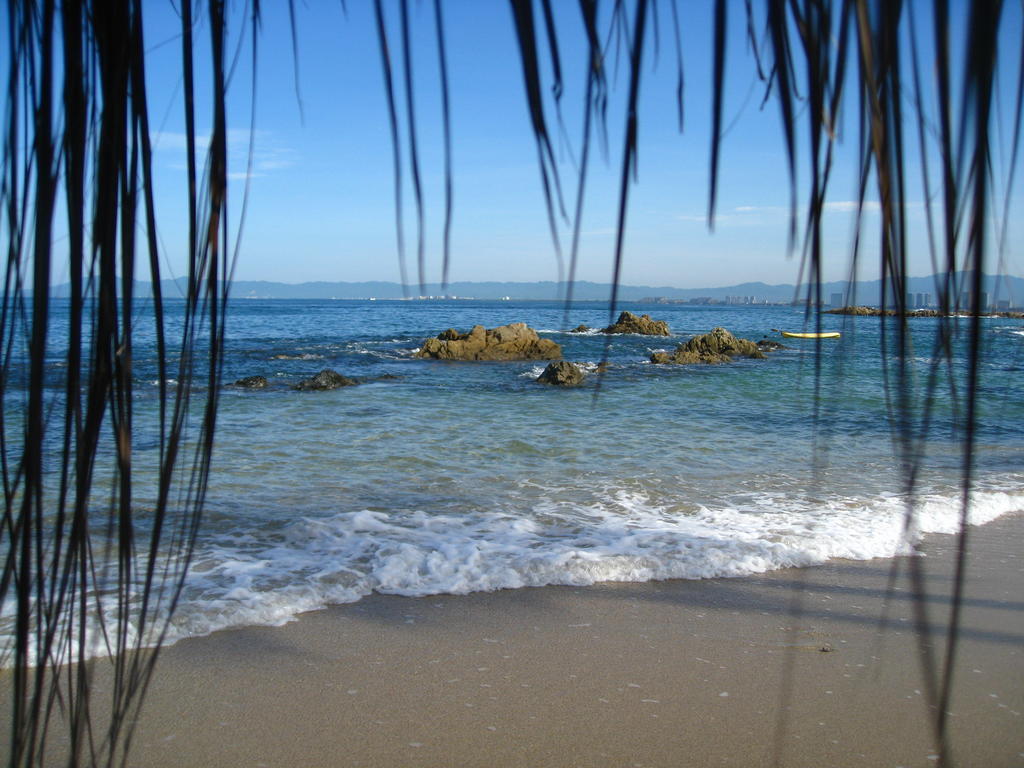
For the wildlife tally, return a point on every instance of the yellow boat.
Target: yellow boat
(822, 335)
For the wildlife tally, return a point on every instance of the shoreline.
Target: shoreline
(788, 668)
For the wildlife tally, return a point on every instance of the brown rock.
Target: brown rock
(515, 341)
(855, 310)
(630, 323)
(719, 346)
(562, 374)
(859, 311)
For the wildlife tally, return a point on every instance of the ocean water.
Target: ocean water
(447, 477)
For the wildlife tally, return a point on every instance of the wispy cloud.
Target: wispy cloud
(833, 206)
(738, 214)
(849, 206)
(171, 142)
(268, 156)
(761, 209)
(702, 218)
(752, 214)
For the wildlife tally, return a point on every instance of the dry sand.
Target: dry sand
(789, 669)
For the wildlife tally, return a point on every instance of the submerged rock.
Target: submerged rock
(252, 382)
(516, 341)
(562, 374)
(770, 345)
(630, 323)
(326, 379)
(718, 346)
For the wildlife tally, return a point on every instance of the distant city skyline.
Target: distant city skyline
(999, 292)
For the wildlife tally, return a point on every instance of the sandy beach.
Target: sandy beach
(792, 668)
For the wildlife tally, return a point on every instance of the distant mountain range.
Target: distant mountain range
(866, 292)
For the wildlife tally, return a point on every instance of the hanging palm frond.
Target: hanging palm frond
(104, 486)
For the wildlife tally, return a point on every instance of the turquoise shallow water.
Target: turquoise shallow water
(456, 477)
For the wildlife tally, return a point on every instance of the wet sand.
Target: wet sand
(792, 669)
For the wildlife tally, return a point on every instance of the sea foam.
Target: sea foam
(345, 556)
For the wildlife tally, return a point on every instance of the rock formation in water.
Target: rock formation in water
(252, 382)
(860, 311)
(562, 374)
(855, 310)
(515, 341)
(770, 345)
(630, 323)
(581, 328)
(326, 379)
(719, 346)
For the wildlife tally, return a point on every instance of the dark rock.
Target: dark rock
(252, 382)
(562, 374)
(876, 312)
(770, 345)
(326, 379)
(581, 328)
(515, 341)
(630, 323)
(858, 311)
(719, 346)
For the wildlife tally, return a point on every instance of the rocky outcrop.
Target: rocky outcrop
(581, 328)
(859, 311)
(562, 374)
(856, 310)
(719, 346)
(770, 345)
(326, 379)
(515, 341)
(252, 382)
(630, 323)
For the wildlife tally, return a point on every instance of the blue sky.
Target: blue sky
(321, 203)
